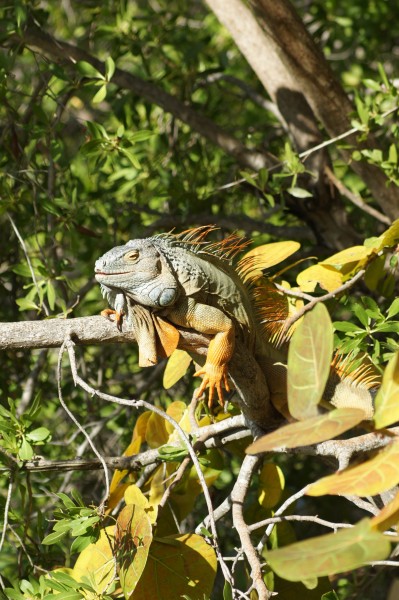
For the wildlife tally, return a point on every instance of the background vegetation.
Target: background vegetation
(126, 118)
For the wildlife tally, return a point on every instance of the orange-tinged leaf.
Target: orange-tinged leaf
(178, 565)
(269, 255)
(311, 431)
(309, 359)
(388, 516)
(387, 399)
(368, 479)
(329, 554)
(271, 485)
(134, 495)
(326, 276)
(176, 367)
(133, 537)
(97, 563)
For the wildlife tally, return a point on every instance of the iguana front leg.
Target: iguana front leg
(210, 320)
(118, 310)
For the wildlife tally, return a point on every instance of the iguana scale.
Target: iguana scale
(184, 280)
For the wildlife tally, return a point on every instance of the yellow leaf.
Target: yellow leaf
(368, 479)
(141, 425)
(158, 485)
(178, 565)
(97, 563)
(156, 433)
(175, 410)
(326, 276)
(388, 516)
(271, 485)
(387, 399)
(311, 431)
(329, 554)
(132, 449)
(133, 537)
(269, 255)
(348, 259)
(390, 237)
(309, 360)
(134, 495)
(176, 367)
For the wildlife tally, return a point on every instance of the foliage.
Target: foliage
(102, 148)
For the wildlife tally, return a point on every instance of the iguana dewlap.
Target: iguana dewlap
(187, 285)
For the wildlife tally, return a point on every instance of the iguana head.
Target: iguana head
(140, 271)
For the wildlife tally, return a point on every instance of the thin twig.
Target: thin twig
(64, 346)
(356, 199)
(299, 518)
(277, 513)
(348, 284)
(5, 519)
(25, 250)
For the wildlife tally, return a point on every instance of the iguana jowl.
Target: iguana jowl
(183, 280)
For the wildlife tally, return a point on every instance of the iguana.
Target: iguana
(184, 280)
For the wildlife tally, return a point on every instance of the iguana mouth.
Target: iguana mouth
(114, 273)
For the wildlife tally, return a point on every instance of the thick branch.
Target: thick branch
(249, 381)
(303, 61)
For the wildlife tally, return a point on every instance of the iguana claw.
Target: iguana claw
(118, 316)
(213, 377)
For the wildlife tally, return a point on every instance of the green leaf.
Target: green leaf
(54, 537)
(100, 95)
(87, 69)
(38, 435)
(329, 554)
(109, 68)
(393, 309)
(227, 591)
(346, 326)
(80, 526)
(131, 157)
(26, 451)
(51, 294)
(25, 304)
(309, 360)
(361, 314)
(298, 192)
(172, 454)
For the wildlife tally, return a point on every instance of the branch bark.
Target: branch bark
(247, 376)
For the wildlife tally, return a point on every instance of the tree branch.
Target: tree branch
(246, 374)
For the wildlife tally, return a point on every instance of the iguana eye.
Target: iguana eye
(131, 256)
